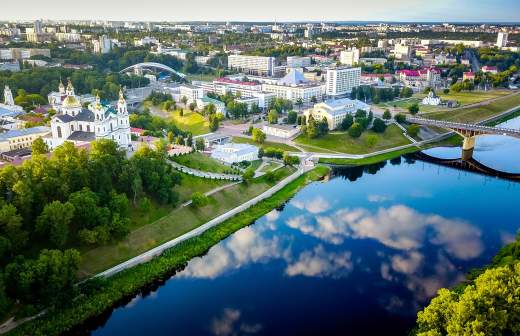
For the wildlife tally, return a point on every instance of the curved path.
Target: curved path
(203, 174)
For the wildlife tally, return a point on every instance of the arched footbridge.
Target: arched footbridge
(138, 68)
(468, 131)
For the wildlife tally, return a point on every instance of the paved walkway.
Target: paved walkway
(213, 191)
(203, 174)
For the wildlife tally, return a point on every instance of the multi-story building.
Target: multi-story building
(502, 39)
(341, 81)
(295, 87)
(420, 79)
(191, 92)
(281, 131)
(402, 52)
(103, 45)
(334, 111)
(256, 65)
(349, 57)
(298, 62)
(21, 138)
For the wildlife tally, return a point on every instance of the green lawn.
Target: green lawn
(191, 121)
(174, 224)
(370, 160)
(266, 144)
(203, 162)
(342, 142)
(270, 166)
(478, 113)
(191, 183)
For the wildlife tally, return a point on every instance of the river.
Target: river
(356, 254)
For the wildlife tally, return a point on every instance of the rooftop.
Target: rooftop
(24, 131)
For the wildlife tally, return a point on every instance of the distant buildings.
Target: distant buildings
(232, 152)
(255, 65)
(502, 39)
(103, 45)
(468, 76)
(298, 62)
(13, 66)
(294, 87)
(349, 57)
(23, 53)
(8, 108)
(490, 69)
(21, 138)
(191, 92)
(335, 110)
(341, 81)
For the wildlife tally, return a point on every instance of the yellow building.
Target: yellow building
(21, 138)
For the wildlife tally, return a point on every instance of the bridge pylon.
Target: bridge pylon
(467, 147)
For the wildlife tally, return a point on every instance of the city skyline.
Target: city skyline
(346, 10)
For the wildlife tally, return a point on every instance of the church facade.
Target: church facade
(77, 124)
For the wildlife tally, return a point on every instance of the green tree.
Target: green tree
(272, 117)
(199, 144)
(400, 118)
(199, 200)
(413, 109)
(39, 147)
(54, 222)
(291, 117)
(213, 122)
(347, 122)
(355, 130)
(258, 136)
(184, 100)
(371, 140)
(248, 175)
(170, 136)
(299, 103)
(387, 115)
(378, 126)
(413, 130)
(192, 107)
(11, 225)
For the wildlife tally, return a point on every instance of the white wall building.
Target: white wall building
(502, 39)
(295, 86)
(77, 124)
(257, 65)
(349, 57)
(431, 99)
(281, 131)
(335, 110)
(232, 152)
(341, 81)
(191, 92)
(298, 62)
(103, 45)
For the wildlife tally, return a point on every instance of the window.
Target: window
(59, 131)
(88, 128)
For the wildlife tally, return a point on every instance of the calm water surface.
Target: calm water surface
(358, 254)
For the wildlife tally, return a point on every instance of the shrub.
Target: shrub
(355, 130)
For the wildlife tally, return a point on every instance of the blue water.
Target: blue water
(357, 254)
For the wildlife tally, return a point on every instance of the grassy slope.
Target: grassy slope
(478, 113)
(202, 162)
(266, 144)
(174, 224)
(191, 121)
(342, 142)
(129, 282)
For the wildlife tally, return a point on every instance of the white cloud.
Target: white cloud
(374, 198)
(320, 263)
(315, 206)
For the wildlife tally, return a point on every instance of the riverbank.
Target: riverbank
(107, 293)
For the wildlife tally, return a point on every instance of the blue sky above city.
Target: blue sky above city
(267, 10)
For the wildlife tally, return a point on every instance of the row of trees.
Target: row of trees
(377, 95)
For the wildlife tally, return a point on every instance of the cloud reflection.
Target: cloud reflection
(229, 324)
(320, 263)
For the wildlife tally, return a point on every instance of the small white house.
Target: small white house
(232, 152)
(281, 131)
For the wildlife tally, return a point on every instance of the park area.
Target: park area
(190, 121)
(341, 142)
(199, 161)
(266, 144)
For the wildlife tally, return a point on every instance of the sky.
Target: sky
(265, 10)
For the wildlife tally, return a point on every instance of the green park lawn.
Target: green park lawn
(266, 144)
(477, 113)
(175, 223)
(203, 162)
(270, 166)
(191, 121)
(341, 142)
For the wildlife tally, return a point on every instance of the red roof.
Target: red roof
(418, 73)
(487, 67)
(136, 130)
(469, 74)
(373, 75)
(234, 81)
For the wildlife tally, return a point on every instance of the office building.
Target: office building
(502, 39)
(335, 110)
(341, 81)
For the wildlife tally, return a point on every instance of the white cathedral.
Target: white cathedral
(99, 121)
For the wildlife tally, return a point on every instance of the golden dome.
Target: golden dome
(71, 102)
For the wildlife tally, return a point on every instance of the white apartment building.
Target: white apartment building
(341, 81)
(298, 62)
(191, 92)
(103, 45)
(232, 152)
(502, 39)
(335, 110)
(349, 57)
(256, 65)
(402, 52)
